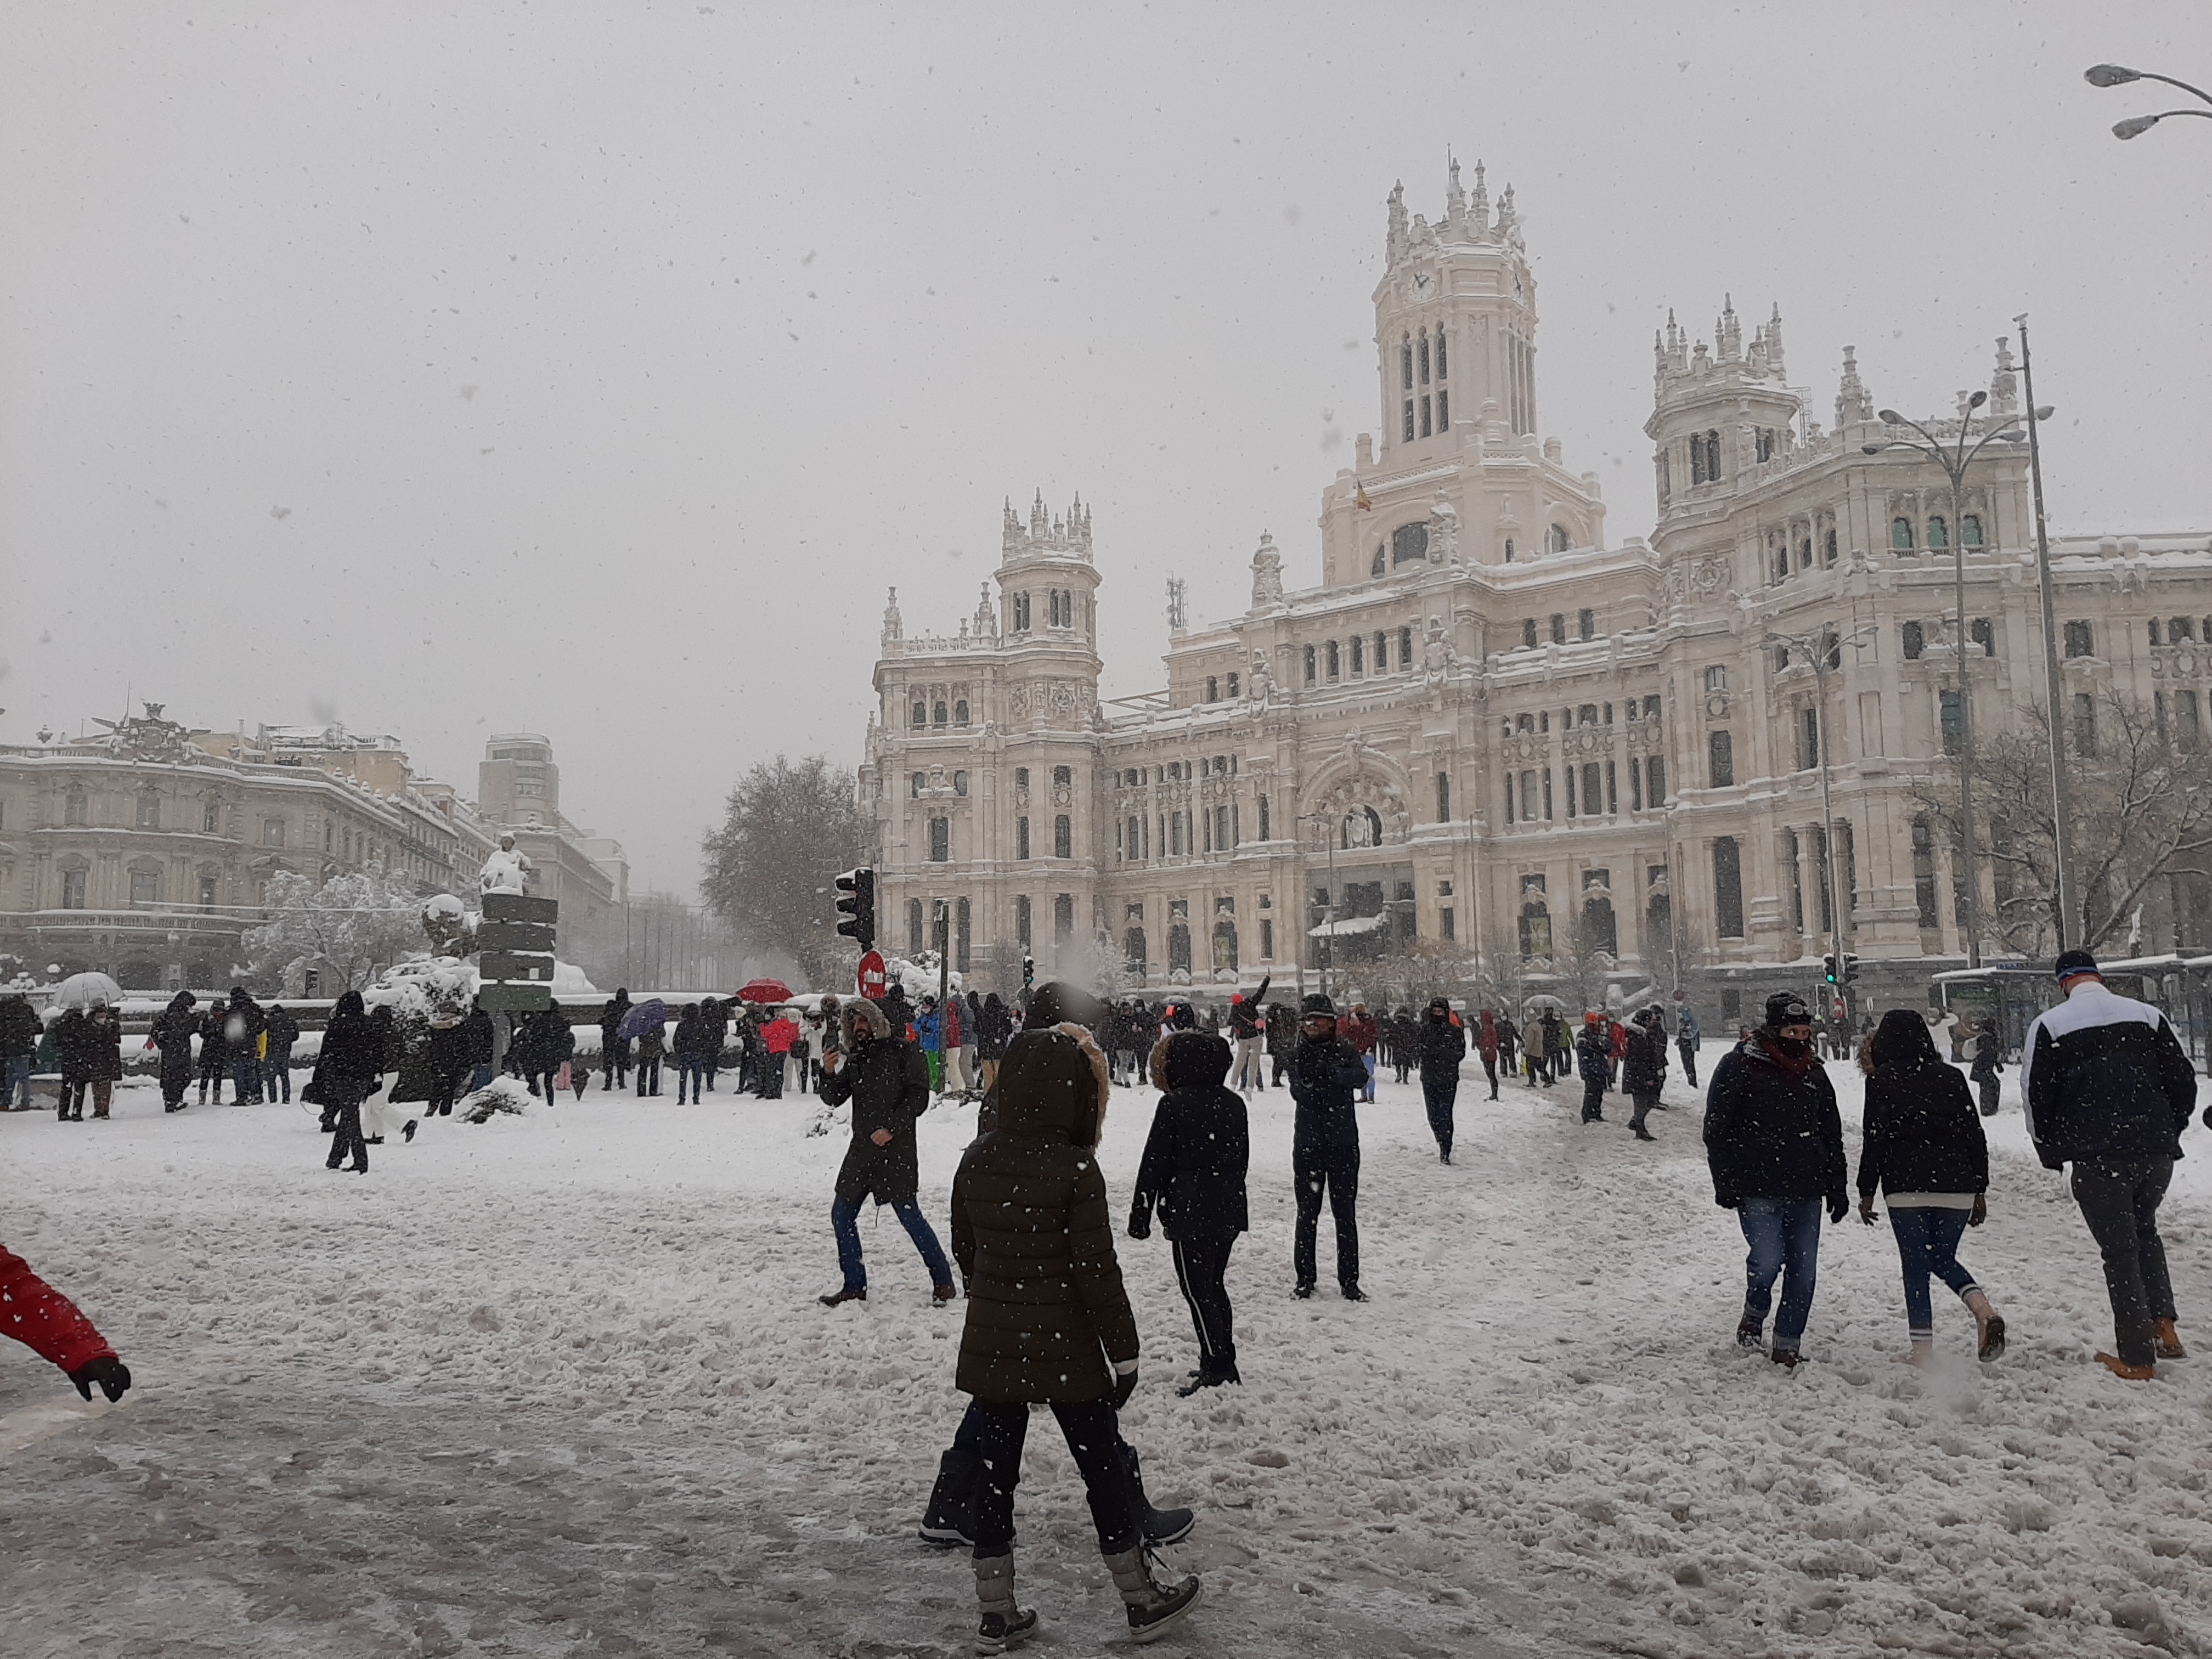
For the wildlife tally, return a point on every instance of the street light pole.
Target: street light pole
(1328, 939)
(2113, 75)
(2061, 833)
(1954, 462)
(1819, 644)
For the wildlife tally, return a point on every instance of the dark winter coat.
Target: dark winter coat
(691, 1040)
(1193, 1171)
(1643, 1066)
(76, 1041)
(351, 1065)
(1921, 1133)
(19, 1029)
(242, 1025)
(887, 1080)
(992, 1031)
(1769, 1134)
(214, 1047)
(477, 1038)
(1443, 1046)
(283, 1030)
(1593, 1055)
(544, 1042)
(172, 1035)
(2103, 1076)
(1246, 1018)
(1282, 1030)
(1325, 1078)
(1988, 1058)
(613, 1044)
(1047, 1316)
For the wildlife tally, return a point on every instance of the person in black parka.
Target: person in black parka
(1774, 1142)
(1923, 1147)
(350, 1069)
(1192, 1173)
(1644, 1068)
(614, 1047)
(1327, 1074)
(1442, 1042)
(887, 1080)
(172, 1034)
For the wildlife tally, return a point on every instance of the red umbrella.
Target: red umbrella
(763, 990)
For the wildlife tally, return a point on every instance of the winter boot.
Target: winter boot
(1989, 1328)
(844, 1293)
(949, 1518)
(407, 1129)
(1638, 1129)
(1153, 1607)
(1303, 1288)
(1750, 1331)
(1004, 1625)
(1159, 1526)
(1922, 1354)
(2169, 1340)
(2128, 1373)
(1210, 1374)
(1788, 1359)
(1351, 1291)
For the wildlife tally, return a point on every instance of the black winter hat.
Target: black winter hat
(2071, 963)
(1316, 1004)
(1787, 1008)
(1194, 1060)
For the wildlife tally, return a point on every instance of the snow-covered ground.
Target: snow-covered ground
(559, 1386)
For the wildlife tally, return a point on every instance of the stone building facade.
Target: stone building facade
(1486, 729)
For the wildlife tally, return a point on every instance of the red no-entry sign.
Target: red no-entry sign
(871, 974)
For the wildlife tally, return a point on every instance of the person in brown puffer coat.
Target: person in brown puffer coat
(1049, 1321)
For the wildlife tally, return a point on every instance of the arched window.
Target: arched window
(1828, 548)
(1587, 714)
(1424, 356)
(1406, 362)
(1132, 950)
(1444, 363)
(1561, 540)
(1536, 930)
(1335, 661)
(1805, 554)
(921, 716)
(1178, 948)
(1970, 530)
(1586, 623)
(1900, 535)
(960, 712)
(1529, 639)
(1599, 930)
(1362, 827)
(1264, 833)
(938, 712)
(1212, 688)
(960, 784)
(913, 793)
(212, 817)
(1358, 654)
(1409, 541)
(1939, 533)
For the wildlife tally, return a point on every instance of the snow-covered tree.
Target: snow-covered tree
(347, 930)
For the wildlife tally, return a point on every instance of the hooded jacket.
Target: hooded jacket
(1771, 1133)
(172, 1034)
(1327, 1075)
(351, 1063)
(1048, 1317)
(1921, 1133)
(1442, 1044)
(887, 1080)
(1195, 1158)
(2103, 1076)
(19, 1029)
(1643, 1063)
(1594, 1052)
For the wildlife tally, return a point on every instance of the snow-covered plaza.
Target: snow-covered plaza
(560, 1385)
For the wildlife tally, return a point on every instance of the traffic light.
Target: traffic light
(1029, 972)
(1828, 969)
(1850, 968)
(856, 905)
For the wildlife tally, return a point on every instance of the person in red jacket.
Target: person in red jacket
(1485, 1044)
(1360, 1032)
(1617, 1046)
(777, 1036)
(48, 1323)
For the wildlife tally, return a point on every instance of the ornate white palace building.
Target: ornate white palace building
(1485, 726)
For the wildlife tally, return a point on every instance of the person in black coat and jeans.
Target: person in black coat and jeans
(1923, 1146)
(1774, 1142)
(1644, 1068)
(2108, 1087)
(887, 1080)
(350, 1069)
(1327, 1075)
(1441, 1042)
(1193, 1172)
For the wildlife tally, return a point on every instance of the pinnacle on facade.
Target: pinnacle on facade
(2004, 385)
(1853, 401)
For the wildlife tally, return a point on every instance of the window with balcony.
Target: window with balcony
(145, 888)
(73, 889)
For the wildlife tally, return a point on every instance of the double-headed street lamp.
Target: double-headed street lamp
(1328, 939)
(1819, 647)
(2112, 75)
(1955, 459)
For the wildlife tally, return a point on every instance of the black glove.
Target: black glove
(111, 1373)
(1840, 1206)
(1140, 1224)
(1125, 1384)
(1727, 1201)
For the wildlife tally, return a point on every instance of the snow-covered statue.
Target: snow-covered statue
(505, 871)
(450, 928)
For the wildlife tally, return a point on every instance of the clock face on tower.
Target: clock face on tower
(1422, 281)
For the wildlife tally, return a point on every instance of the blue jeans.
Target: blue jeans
(16, 1090)
(1368, 1093)
(277, 1073)
(691, 1071)
(244, 1079)
(1928, 1243)
(844, 1221)
(1784, 1236)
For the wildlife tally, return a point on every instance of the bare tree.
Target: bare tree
(2140, 797)
(788, 829)
(1416, 969)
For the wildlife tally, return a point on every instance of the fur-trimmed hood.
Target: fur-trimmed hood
(858, 1012)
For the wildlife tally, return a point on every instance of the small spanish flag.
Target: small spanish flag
(1360, 499)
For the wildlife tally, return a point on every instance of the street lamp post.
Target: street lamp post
(1955, 460)
(1818, 646)
(2113, 75)
(2061, 832)
(1328, 939)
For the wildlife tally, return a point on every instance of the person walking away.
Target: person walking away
(713, 1032)
(49, 1324)
(651, 1043)
(19, 1031)
(1282, 1042)
(547, 1043)
(1644, 1068)
(614, 1047)
(971, 1043)
(214, 1050)
(1327, 1074)
(1359, 1031)
(1486, 1045)
(951, 1042)
(929, 1037)
(1774, 1144)
(446, 1061)
(691, 1063)
(1048, 1322)
(1687, 1044)
(1536, 1051)
(776, 1038)
(993, 1029)
(73, 1042)
(1593, 1063)
(1616, 1036)
(478, 1039)
(104, 1038)
(1192, 1173)
(2105, 1086)
(1561, 1038)
(1441, 1043)
(1989, 1060)
(1509, 1048)
(348, 1070)
(1924, 1148)
(279, 1031)
(888, 1083)
(241, 1029)
(172, 1034)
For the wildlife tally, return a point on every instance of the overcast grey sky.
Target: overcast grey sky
(593, 369)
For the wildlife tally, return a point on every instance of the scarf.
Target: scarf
(1794, 1066)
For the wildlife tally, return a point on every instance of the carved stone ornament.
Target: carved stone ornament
(1066, 698)
(1710, 576)
(1717, 705)
(1018, 699)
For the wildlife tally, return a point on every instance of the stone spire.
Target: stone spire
(1480, 212)
(1455, 197)
(1395, 243)
(1853, 402)
(2004, 385)
(1727, 332)
(894, 625)
(1774, 341)
(987, 618)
